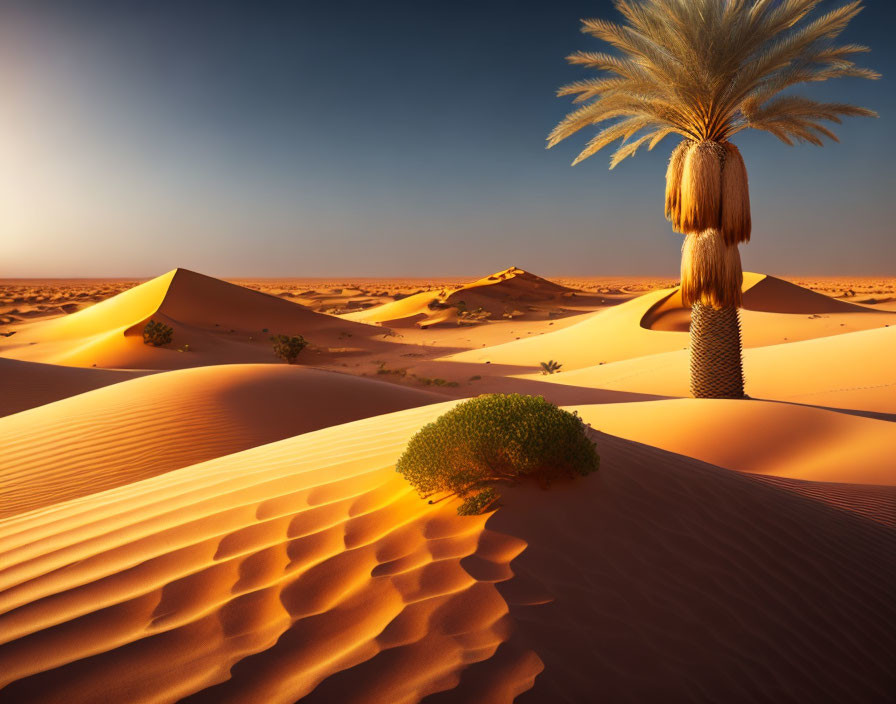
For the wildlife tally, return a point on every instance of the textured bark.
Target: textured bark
(716, 364)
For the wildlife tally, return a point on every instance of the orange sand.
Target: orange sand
(294, 570)
(29, 384)
(233, 530)
(136, 429)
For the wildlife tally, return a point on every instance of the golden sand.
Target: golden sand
(202, 522)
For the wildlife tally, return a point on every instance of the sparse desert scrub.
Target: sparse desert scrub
(434, 381)
(383, 369)
(550, 367)
(157, 334)
(494, 439)
(288, 347)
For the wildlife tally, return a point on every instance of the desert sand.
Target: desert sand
(202, 522)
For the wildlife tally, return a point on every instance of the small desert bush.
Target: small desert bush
(157, 334)
(383, 369)
(288, 348)
(492, 439)
(434, 381)
(550, 367)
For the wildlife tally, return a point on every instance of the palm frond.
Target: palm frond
(796, 118)
(707, 69)
(628, 149)
(620, 130)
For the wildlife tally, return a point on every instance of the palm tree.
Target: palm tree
(705, 70)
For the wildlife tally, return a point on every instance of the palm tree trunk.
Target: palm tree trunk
(716, 364)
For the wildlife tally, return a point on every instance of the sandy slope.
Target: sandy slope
(850, 371)
(775, 439)
(221, 323)
(306, 567)
(146, 426)
(762, 294)
(29, 384)
(267, 571)
(775, 311)
(607, 336)
(663, 579)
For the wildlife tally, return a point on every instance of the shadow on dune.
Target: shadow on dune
(669, 579)
(475, 379)
(876, 415)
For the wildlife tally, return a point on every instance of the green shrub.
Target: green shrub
(288, 348)
(492, 439)
(157, 334)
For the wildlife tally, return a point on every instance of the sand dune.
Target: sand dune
(29, 384)
(656, 322)
(850, 371)
(605, 336)
(307, 568)
(512, 293)
(762, 294)
(402, 312)
(150, 425)
(265, 573)
(663, 579)
(218, 321)
(777, 311)
(775, 439)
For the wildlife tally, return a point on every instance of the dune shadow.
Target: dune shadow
(876, 415)
(649, 519)
(475, 378)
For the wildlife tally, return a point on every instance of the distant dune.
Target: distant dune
(513, 293)
(221, 323)
(150, 425)
(605, 336)
(762, 294)
(656, 322)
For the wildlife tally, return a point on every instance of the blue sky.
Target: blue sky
(377, 139)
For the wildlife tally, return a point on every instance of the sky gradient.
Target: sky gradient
(378, 139)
